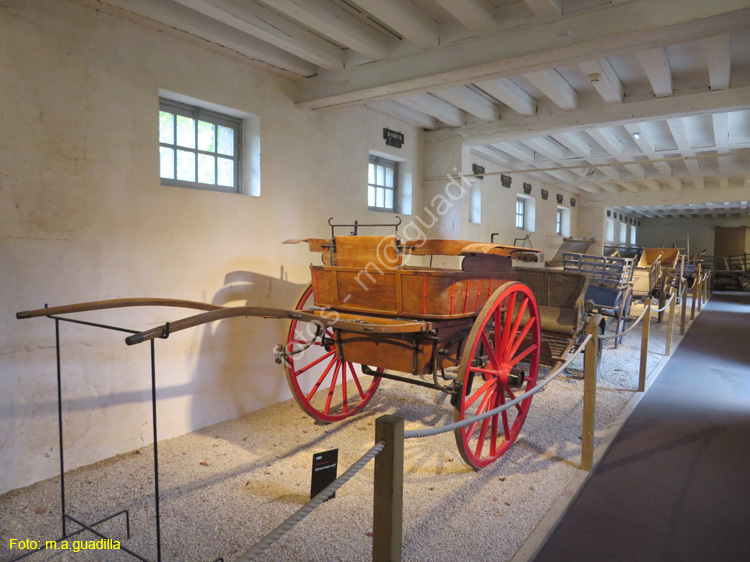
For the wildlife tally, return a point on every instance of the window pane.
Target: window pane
(185, 165)
(381, 195)
(166, 128)
(206, 137)
(370, 194)
(380, 175)
(226, 170)
(166, 162)
(371, 173)
(185, 132)
(389, 177)
(206, 169)
(389, 199)
(226, 142)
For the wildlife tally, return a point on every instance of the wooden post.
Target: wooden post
(591, 360)
(683, 311)
(388, 502)
(700, 293)
(692, 300)
(670, 325)
(644, 345)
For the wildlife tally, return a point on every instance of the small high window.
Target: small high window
(558, 222)
(382, 179)
(520, 212)
(198, 148)
(632, 234)
(623, 233)
(610, 236)
(562, 223)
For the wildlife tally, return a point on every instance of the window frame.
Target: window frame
(559, 221)
(198, 113)
(375, 160)
(522, 214)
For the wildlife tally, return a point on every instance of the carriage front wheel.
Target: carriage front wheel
(326, 388)
(504, 340)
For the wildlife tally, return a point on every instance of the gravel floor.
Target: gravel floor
(226, 486)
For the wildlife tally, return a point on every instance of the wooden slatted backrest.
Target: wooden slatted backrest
(553, 287)
(359, 251)
(602, 270)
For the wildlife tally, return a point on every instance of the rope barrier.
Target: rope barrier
(626, 331)
(417, 433)
(301, 513)
(665, 306)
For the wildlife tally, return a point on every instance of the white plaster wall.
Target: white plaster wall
(83, 217)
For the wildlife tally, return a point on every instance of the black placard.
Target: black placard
(505, 180)
(545, 194)
(478, 171)
(559, 199)
(393, 138)
(527, 188)
(609, 213)
(572, 202)
(324, 467)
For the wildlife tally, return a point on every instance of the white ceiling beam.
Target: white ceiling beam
(721, 129)
(637, 170)
(332, 21)
(545, 8)
(724, 169)
(429, 104)
(406, 114)
(545, 147)
(470, 101)
(656, 65)
(677, 128)
(496, 156)
(506, 91)
(641, 24)
(406, 18)
(517, 150)
(603, 78)
(554, 87)
(675, 183)
(474, 14)
(608, 186)
(573, 142)
(718, 57)
(590, 187)
(644, 140)
(696, 175)
(605, 138)
(553, 120)
(612, 172)
(189, 21)
(266, 25)
(630, 186)
(652, 184)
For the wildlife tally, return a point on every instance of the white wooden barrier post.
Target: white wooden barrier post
(644, 344)
(670, 325)
(591, 360)
(388, 503)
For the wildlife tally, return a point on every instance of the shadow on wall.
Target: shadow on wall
(236, 372)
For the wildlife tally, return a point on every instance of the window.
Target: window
(520, 212)
(562, 225)
(623, 233)
(475, 210)
(558, 226)
(381, 184)
(610, 230)
(198, 148)
(632, 234)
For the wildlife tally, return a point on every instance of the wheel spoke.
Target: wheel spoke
(506, 354)
(506, 426)
(356, 380)
(508, 319)
(318, 360)
(521, 337)
(490, 352)
(320, 381)
(333, 385)
(484, 388)
(482, 409)
(482, 436)
(343, 388)
(523, 354)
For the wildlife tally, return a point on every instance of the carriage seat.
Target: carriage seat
(560, 296)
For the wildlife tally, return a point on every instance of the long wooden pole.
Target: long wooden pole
(670, 325)
(683, 311)
(591, 360)
(696, 282)
(644, 345)
(388, 504)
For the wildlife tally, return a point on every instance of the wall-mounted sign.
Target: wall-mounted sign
(559, 199)
(478, 171)
(609, 213)
(505, 180)
(620, 217)
(572, 202)
(526, 188)
(393, 138)
(545, 194)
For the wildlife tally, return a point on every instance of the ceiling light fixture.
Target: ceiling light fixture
(636, 135)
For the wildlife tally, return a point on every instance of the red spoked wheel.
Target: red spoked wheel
(326, 388)
(505, 334)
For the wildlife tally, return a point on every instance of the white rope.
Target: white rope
(626, 331)
(300, 514)
(665, 306)
(416, 433)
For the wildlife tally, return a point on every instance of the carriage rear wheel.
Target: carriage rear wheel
(326, 388)
(505, 334)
